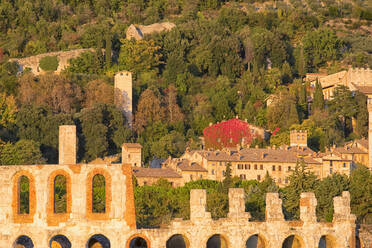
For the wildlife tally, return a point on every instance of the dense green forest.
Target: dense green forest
(223, 59)
(156, 205)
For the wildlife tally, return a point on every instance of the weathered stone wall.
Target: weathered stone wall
(138, 32)
(63, 57)
(79, 224)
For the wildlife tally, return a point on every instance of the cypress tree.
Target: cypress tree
(318, 102)
(293, 115)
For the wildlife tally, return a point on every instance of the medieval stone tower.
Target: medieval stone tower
(123, 94)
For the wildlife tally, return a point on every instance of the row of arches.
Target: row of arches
(176, 241)
(98, 193)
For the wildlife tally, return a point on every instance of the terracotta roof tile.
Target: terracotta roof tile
(155, 172)
(132, 145)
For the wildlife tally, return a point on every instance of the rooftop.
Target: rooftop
(155, 172)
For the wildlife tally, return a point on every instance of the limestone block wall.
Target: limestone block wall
(78, 224)
(117, 224)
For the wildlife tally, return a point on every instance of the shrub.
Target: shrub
(49, 63)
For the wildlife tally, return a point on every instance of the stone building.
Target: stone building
(138, 32)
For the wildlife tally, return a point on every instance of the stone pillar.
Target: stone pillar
(273, 207)
(341, 206)
(198, 205)
(308, 207)
(123, 94)
(369, 106)
(67, 144)
(237, 205)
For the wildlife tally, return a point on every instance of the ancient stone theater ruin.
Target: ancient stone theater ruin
(40, 225)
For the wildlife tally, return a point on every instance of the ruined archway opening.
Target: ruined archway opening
(60, 194)
(59, 241)
(327, 241)
(358, 242)
(138, 242)
(23, 195)
(98, 241)
(98, 194)
(217, 241)
(292, 241)
(177, 241)
(23, 242)
(255, 241)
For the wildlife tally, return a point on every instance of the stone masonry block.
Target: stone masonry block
(308, 207)
(198, 204)
(341, 205)
(273, 207)
(237, 204)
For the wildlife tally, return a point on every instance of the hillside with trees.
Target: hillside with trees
(221, 60)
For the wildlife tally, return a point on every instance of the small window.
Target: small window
(212, 172)
(261, 166)
(191, 177)
(289, 168)
(249, 166)
(258, 177)
(201, 176)
(273, 167)
(279, 168)
(255, 166)
(246, 166)
(128, 156)
(223, 172)
(303, 137)
(144, 183)
(331, 171)
(344, 165)
(286, 180)
(238, 166)
(330, 163)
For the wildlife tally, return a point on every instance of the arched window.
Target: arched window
(98, 194)
(23, 195)
(217, 240)
(98, 240)
(327, 241)
(138, 241)
(59, 241)
(292, 241)
(60, 194)
(255, 241)
(177, 241)
(23, 241)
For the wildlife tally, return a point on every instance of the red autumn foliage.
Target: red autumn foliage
(228, 134)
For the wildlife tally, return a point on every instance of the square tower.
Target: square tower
(67, 144)
(131, 153)
(298, 138)
(123, 94)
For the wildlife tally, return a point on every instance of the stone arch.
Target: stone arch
(59, 241)
(256, 241)
(23, 241)
(54, 213)
(327, 241)
(217, 241)
(107, 192)
(177, 241)
(136, 240)
(20, 217)
(98, 241)
(293, 241)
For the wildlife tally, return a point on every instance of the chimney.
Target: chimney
(67, 144)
